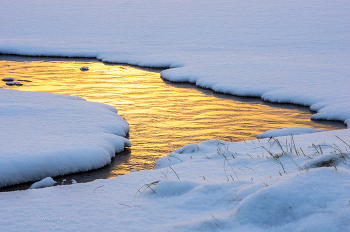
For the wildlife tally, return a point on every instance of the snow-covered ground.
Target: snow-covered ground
(45, 134)
(294, 52)
(210, 186)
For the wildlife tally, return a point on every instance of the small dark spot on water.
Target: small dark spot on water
(163, 115)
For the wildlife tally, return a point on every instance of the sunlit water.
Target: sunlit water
(162, 115)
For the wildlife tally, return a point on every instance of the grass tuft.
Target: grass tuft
(97, 188)
(147, 186)
(174, 172)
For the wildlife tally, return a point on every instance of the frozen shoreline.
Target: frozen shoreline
(323, 110)
(291, 52)
(200, 178)
(203, 190)
(45, 134)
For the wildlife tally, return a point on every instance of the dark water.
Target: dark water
(163, 116)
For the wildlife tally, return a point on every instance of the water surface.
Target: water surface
(163, 116)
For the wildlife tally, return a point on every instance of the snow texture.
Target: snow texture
(289, 52)
(210, 186)
(287, 131)
(45, 134)
(46, 182)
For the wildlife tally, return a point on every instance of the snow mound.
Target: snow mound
(47, 182)
(221, 188)
(44, 134)
(8, 79)
(287, 131)
(296, 198)
(282, 51)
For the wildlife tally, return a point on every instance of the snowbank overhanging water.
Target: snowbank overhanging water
(296, 52)
(45, 134)
(287, 131)
(210, 186)
(291, 52)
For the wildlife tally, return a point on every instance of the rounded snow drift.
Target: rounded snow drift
(84, 68)
(8, 79)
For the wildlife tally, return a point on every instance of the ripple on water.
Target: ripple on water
(162, 115)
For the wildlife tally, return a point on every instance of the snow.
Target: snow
(44, 134)
(46, 182)
(295, 198)
(9, 79)
(288, 52)
(208, 190)
(287, 131)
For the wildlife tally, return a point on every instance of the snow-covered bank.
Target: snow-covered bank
(210, 186)
(295, 52)
(45, 134)
(282, 51)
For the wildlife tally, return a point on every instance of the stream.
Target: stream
(163, 116)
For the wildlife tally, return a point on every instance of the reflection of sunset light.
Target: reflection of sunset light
(162, 117)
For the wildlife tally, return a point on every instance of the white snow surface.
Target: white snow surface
(282, 51)
(44, 134)
(46, 182)
(287, 131)
(292, 52)
(209, 186)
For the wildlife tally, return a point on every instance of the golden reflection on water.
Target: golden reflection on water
(163, 116)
